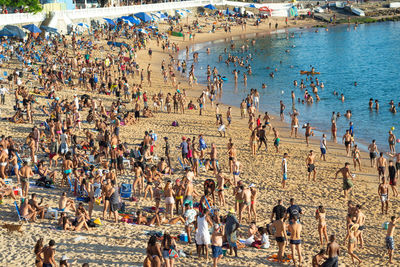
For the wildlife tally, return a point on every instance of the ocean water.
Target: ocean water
(368, 55)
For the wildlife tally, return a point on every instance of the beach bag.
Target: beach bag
(173, 254)
(175, 124)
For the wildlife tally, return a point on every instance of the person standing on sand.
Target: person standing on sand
(203, 235)
(320, 215)
(25, 173)
(373, 152)
(383, 192)
(392, 142)
(276, 139)
(261, 135)
(48, 255)
(381, 165)
(294, 125)
(279, 228)
(310, 165)
(389, 240)
(309, 132)
(356, 157)
(333, 252)
(360, 220)
(231, 227)
(295, 239)
(347, 142)
(284, 169)
(347, 179)
(352, 236)
(323, 147)
(393, 178)
(216, 244)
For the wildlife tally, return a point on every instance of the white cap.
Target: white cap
(252, 185)
(64, 258)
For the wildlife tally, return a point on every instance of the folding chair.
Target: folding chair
(20, 218)
(126, 190)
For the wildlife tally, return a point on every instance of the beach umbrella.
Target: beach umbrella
(16, 31)
(131, 19)
(151, 27)
(209, 6)
(143, 16)
(32, 28)
(6, 32)
(84, 25)
(109, 21)
(187, 10)
(143, 31)
(49, 29)
(251, 5)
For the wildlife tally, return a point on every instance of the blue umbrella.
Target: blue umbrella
(143, 16)
(16, 31)
(110, 21)
(251, 5)
(49, 29)
(209, 6)
(83, 25)
(6, 32)
(32, 28)
(152, 27)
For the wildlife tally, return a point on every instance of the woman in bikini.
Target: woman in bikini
(153, 252)
(352, 235)
(253, 142)
(320, 216)
(38, 253)
(356, 157)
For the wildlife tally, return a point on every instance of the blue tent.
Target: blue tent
(209, 6)
(49, 29)
(143, 16)
(32, 28)
(110, 21)
(17, 32)
(131, 19)
(6, 32)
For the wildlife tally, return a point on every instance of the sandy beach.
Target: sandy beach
(123, 244)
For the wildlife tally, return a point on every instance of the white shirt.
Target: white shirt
(284, 165)
(3, 91)
(323, 142)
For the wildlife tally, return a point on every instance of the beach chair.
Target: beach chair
(20, 218)
(125, 190)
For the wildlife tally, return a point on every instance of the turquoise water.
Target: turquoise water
(369, 55)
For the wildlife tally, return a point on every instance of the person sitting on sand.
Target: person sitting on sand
(27, 211)
(65, 203)
(40, 210)
(154, 256)
(6, 191)
(319, 259)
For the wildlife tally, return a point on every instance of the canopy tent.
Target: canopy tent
(109, 21)
(32, 28)
(16, 31)
(49, 29)
(265, 9)
(159, 15)
(209, 6)
(131, 19)
(143, 16)
(6, 33)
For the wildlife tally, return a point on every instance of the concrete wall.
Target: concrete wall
(84, 15)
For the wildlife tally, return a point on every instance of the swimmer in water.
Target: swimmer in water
(342, 97)
(376, 104)
(370, 103)
(355, 83)
(263, 86)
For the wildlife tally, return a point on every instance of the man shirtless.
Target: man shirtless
(220, 187)
(373, 152)
(232, 155)
(347, 178)
(279, 227)
(262, 137)
(40, 210)
(216, 244)
(381, 165)
(392, 142)
(333, 251)
(236, 171)
(389, 237)
(48, 255)
(179, 191)
(310, 165)
(246, 203)
(213, 157)
(65, 203)
(309, 132)
(347, 142)
(67, 167)
(3, 161)
(25, 173)
(383, 192)
(360, 220)
(295, 239)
